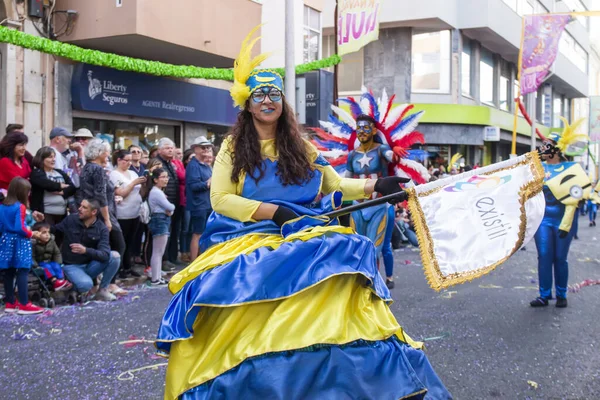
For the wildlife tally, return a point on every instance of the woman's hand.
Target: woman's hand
(64, 186)
(283, 215)
(389, 185)
(108, 225)
(279, 214)
(139, 181)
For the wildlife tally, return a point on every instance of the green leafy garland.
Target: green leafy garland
(124, 63)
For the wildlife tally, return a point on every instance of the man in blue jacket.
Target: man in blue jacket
(198, 175)
(86, 252)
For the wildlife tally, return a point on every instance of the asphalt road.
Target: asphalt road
(482, 338)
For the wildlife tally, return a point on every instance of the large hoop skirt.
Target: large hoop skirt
(303, 315)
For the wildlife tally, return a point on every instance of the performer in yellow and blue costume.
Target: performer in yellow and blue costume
(282, 303)
(566, 184)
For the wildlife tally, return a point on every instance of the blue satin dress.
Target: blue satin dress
(376, 223)
(299, 312)
(552, 249)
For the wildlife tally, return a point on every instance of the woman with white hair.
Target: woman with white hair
(95, 185)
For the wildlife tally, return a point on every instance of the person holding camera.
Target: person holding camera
(127, 186)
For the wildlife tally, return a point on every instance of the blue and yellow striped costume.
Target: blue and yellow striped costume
(296, 313)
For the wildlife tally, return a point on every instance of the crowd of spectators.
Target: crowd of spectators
(106, 215)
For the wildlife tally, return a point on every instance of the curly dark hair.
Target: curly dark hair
(293, 166)
(10, 141)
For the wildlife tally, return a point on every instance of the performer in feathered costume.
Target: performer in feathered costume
(371, 141)
(565, 184)
(453, 166)
(282, 303)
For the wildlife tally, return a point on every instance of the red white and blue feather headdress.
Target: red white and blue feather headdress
(395, 127)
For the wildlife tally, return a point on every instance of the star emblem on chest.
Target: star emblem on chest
(365, 161)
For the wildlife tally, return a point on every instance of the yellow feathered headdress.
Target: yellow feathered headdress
(246, 78)
(454, 160)
(569, 134)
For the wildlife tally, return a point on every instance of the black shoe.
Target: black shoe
(561, 302)
(390, 283)
(576, 237)
(135, 274)
(167, 266)
(539, 302)
(123, 274)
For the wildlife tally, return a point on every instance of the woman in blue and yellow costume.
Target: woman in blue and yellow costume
(283, 303)
(565, 185)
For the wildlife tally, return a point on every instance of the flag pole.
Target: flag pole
(393, 198)
(516, 116)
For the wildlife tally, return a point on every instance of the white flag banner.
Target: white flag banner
(468, 224)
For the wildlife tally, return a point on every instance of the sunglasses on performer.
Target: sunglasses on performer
(259, 95)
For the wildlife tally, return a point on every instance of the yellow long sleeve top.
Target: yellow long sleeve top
(225, 195)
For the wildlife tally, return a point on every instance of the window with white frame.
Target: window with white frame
(557, 110)
(573, 51)
(512, 4)
(312, 34)
(525, 7)
(350, 70)
(539, 8)
(486, 77)
(465, 67)
(505, 100)
(431, 62)
(578, 6)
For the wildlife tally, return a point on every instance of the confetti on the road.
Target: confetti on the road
(442, 336)
(490, 287)
(448, 295)
(533, 384)
(129, 375)
(134, 341)
(588, 282)
(22, 335)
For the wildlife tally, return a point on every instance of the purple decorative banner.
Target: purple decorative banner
(540, 47)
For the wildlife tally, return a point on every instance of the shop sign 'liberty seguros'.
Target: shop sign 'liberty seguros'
(110, 91)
